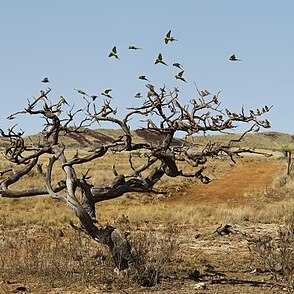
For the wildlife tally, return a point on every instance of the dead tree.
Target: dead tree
(163, 113)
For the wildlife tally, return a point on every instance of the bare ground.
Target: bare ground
(243, 179)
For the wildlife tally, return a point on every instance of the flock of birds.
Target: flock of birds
(159, 60)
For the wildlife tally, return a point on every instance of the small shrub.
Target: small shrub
(153, 256)
(276, 254)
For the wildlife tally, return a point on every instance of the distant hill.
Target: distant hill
(265, 140)
(90, 137)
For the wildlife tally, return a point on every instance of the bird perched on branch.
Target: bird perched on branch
(106, 93)
(234, 58)
(151, 91)
(204, 93)
(169, 38)
(45, 80)
(179, 76)
(63, 101)
(159, 59)
(113, 53)
(94, 97)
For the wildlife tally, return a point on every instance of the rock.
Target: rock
(200, 286)
(256, 271)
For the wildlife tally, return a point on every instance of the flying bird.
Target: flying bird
(178, 65)
(143, 78)
(159, 59)
(45, 80)
(94, 97)
(138, 95)
(81, 92)
(113, 53)
(106, 93)
(63, 101)
(234, 58)
(169, 38)
(131, 47)
(179, 76)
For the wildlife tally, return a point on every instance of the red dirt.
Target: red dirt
(234, 187)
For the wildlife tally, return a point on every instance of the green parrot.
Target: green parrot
(138, 95)
(131, 47)
(45, 80)
(106, 93)
(113, 53)
(81, 92)
(169, 38)
(143, 78)
(159, 59)
(204, 93)
(62, 99)
(179, 76)
(178, 65)
(234, 58)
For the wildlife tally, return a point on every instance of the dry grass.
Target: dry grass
(36, 242)
(50, 255)
(142, 207)
(263, 140)
(275, 253)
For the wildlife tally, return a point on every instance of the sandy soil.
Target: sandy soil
(234, 187)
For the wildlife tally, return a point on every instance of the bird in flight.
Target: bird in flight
(179, 76)
(45, 80)
(138, 95)
(63, 101)
(113, 53)
(178, 65)
(159, 59)
(106, 93)
(94, 97)
(234, 58)
(81, 92)
(169, 38)
(143, 78)
(131, 47)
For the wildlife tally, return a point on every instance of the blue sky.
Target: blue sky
(68, 41)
